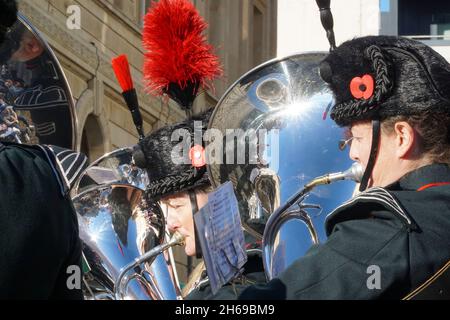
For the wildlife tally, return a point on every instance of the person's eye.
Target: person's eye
(175, 205)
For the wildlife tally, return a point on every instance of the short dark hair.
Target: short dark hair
(433, 129)
(206, 188)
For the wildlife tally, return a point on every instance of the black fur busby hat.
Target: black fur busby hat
(174, 157)
(8, 16)
(378, 77)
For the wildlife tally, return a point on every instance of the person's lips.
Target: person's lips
(183, 233)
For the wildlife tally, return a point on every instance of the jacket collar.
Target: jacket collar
(423, 178)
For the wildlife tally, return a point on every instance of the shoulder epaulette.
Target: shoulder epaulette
(66, 164)
(374, 196)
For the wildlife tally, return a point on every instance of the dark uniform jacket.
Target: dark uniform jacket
(253, 274)
(38, 227)
(400, 233)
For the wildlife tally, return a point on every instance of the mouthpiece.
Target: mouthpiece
(355, 173)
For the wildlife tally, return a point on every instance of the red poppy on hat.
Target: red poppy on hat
(197, 155)
(362, 88)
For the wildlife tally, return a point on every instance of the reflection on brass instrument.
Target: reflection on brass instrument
(271, 91)
(294, 208)
(118, 226)
(117, 168)
(265, 200)
(114, 167)
(36, 104)
(123, 279)
(286, 102)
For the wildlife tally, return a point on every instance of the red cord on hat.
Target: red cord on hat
(362, 88)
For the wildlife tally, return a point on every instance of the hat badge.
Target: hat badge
(362, 87)
(197, 155)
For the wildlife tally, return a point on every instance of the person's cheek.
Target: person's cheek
(190, 246)
(186, 217)
(172, 221)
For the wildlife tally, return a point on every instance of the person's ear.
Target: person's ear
(405, 139)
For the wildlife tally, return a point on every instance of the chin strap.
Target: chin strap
(194, 206)
(376, 130)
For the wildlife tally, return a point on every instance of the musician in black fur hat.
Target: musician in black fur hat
(175, 161)
(169, 156)
(393, 95)
(39, 242)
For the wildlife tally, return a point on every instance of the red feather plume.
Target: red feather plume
(121, 68)
(177, 53)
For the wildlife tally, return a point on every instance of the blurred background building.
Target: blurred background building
(299, 27)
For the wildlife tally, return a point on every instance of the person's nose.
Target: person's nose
(354, 154)
(173, 223)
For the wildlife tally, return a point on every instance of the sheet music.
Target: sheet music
(221, 236)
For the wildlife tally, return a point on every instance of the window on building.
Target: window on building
(130, 10)
(92, 142)
(258, 35)
(143, 9)
(216, 23)
(427, 20)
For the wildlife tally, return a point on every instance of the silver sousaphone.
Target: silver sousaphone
(114, 167)
(118, 228)
(36, 104)
(282, 109)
